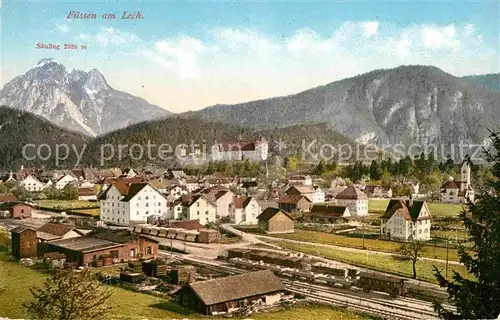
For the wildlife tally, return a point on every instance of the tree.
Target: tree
(375, 171)
(291, 163)
(69, 295)
(479, 298)
(69, 193)
(411, 251)
(320, 168)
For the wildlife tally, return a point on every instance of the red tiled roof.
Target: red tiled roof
(451, 184)
(7, 197)
(85, 192)
(292, 199)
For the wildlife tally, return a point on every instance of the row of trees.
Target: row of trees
(245, 168)
(67, 193)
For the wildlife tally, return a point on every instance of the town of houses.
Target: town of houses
(140, 207)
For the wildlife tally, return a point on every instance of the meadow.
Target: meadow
(376, 262)
(369, 244)
(16, 280)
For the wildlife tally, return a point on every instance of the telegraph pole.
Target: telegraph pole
(447, 250)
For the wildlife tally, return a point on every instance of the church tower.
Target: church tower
(465, 176)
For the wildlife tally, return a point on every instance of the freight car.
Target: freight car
(394, 286)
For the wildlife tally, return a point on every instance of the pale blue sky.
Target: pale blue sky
(185, 56)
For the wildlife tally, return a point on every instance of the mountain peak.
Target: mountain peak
(78, 100)
(45, 61)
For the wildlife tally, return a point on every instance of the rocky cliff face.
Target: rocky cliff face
(408, 104)
(76, 100)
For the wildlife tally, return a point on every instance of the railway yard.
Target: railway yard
(379, 295)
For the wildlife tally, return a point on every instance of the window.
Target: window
(114, 254)
(147, 204)
(148, 250)
(159, 204)
(197, 204)
(198, 212)
(147, 198)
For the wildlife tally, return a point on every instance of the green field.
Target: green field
(15, 281)
(375, 261)
(66, 204)
(94, 212)
(438, 210)
(370, 244)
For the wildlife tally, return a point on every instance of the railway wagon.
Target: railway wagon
(394, 286)
(329, 270)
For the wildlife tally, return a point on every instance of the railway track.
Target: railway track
(402, 308)
(396, 308)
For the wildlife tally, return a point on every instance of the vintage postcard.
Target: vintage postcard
(172, 159)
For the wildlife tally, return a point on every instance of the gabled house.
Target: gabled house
(32, 184)
(378, 191)
(244, 210)
(125, 203)
(87, 194)
(327, 214)
(222, 197)
(354, 199)
(128, 173)
(16, 210)
(274, 220)
(55, 231)
(198, 207)
(297, 203)
(65, 180)
(314, 194)
(227, 294)
(406, 220)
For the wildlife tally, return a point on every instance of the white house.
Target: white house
(355, 200)
(244, 210)
(32, 184)
(198, 207)
(64, 180)
(175, 209)
(125, 203)
(222, 197)
(458, 191)
(87, 194)
(256, 151)
(406, 220)
(313, 194)
(128, 173)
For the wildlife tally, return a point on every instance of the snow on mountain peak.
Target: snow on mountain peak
(45, 61)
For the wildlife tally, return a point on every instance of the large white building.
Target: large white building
(355, 200)
(458, 191)
(130, 203)
(406, 220)
(255, 151)
(32, 184)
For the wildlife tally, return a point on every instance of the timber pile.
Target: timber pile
(209, 236)
(156, 268)
(183, 274)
